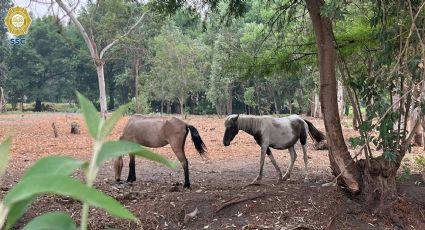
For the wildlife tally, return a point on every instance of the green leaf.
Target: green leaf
(389, 155)
(53, 165)
(4, 154)
(110, 123)
(17, 210)
(65, 186)
(51, 221)
(112, 149)
(57, 165)
(91, 115)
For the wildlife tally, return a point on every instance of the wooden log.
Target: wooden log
(75, 128)
(55, 130)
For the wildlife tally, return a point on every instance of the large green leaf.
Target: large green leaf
(57, 165)
(4, 154)
(91, 115)
(113, 119)
(112, 149)
(54, 165)
(65, 186)
(52, 221)
(16, 211)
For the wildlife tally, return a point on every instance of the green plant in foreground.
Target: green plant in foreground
(51, 175)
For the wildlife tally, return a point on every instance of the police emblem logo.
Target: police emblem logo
(17, 21)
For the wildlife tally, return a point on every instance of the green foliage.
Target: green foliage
(405, 173)
(91, 116)
(420, 161)
(68, 187)
(50, 175)
(4, 154)
(249, 96)
(51, 220)
(356, 141)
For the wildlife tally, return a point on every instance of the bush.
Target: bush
(144, 105)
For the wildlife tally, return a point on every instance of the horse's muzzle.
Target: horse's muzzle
(226, 143)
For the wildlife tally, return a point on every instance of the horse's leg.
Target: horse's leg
(118, 164)
(305, 162)
(293, 158)
(262, 157)
(269, 153)
(178, 149)
(132, 169)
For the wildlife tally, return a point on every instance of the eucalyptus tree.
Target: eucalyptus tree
(103, 24)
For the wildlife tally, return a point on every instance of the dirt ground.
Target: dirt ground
(160, 204)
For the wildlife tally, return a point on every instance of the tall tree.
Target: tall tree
(112, 35)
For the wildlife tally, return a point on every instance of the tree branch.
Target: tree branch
(116, 40)
(89, 42)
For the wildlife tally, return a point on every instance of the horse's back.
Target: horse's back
(175, 127)
(145, 131)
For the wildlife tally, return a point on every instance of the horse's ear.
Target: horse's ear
(236, 118)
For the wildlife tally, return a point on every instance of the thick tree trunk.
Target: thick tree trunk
(338, 152)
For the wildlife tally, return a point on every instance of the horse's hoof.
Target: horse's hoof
(186, 186)
(131, 179)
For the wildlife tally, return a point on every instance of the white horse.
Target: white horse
(277, 133)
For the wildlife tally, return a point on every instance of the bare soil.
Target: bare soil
(158, 197)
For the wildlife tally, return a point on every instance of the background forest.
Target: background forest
(189, 62)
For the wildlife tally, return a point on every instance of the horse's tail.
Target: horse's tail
(197, 141)
(314, 133)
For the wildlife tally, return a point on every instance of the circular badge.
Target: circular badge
(17, 20)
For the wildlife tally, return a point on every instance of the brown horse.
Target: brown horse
(155, 133)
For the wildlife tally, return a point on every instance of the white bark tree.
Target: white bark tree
(96, 52)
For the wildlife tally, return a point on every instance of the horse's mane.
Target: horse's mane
(251, 123)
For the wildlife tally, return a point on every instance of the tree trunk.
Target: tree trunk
(275, 104)
(341, 103)
(338, 152)
(2, 101)
(38, 106)
(162, 106)
(343, 69)
(317, 111)
(136, 65)
(230, 99)
(181, 100)
(414, 115)
(102, 89)
(168, 107)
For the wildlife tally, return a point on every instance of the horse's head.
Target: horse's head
(232, 129)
